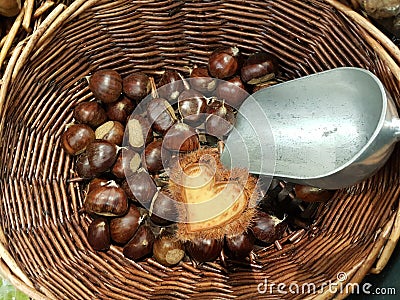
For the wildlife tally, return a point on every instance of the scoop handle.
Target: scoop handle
(395, 128)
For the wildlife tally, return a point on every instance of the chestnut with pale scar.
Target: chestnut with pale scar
(214, 202)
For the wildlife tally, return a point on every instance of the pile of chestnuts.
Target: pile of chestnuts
(122, 157)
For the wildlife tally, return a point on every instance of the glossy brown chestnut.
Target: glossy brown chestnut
(220, 119)
(136, 86)
(76, 138)
(259, 67)
(240, 246)
(111, 131)
(170, 85)
(192, 106)
(106, 85)
(101, 155)
(123, 228)
(203, 250)
(152, 157)
(83, 167)
(181, 137)
(201, 81)
(161, 115)
(140, 132)
(98, 234)
(97, 182)
(120, 110)
(128, 162)
(90, 113)
(108, 200)
(164, 210)
(140, 245)
(267, 228)
(143, 187)
(223, 62)
(168, 251)
(232, 92)
(312, 194)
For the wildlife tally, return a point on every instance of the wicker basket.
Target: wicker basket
(43, 245)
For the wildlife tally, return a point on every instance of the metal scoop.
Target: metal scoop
(330, 130)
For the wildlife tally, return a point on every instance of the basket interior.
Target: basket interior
(40, 204)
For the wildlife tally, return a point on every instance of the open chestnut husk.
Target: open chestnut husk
(223, 62)
(140, 245)
(106, 85)
(161, 115)
(181, 138)
(192, 106)
(240, 246)
(90, 113)
(167, 250)
(136, 86)
(232, 92)
(170, 85)
(76, 138)
(111, 131)
(140, 132)
(98, 234)
(259, 67)
(203, 250)
(268, 228)
(108, 200)
(101, 155)
(123, 228)
(120, 110)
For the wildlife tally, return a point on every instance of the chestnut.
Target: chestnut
(98, 234)
(241, 245)
(170, 85)
(181, 137)
(164, 210)
(136, 86)
(106, 85)
(220, 119)
(111, 131)
(107, 200)
(90, 113)
(142, 186)
(127, 163)
(167, 250)
(140, 245)
(223, 62)
(97, 182)
(76, 138)
(312, 194)
(101, 155)
(259, 67)
(152, 157)
(161, 115)
(203, 250)
(268, 228)
(120, 110)
(232, 92)
(123, 228)
(201, 81)
(140, 132)
(192, 106)
(83, 167)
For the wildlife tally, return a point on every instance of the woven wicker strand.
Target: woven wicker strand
(43, 242)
